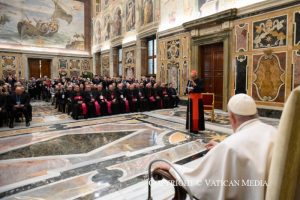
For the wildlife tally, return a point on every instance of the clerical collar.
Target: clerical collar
(245, 124)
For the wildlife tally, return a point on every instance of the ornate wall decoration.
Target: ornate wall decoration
(63, 67)
(85, 66)
(8, 65)
(173, 74)
(296, 72)
(130, 15)
(241, 34)
(74, 73)
(147, 11)
(117, 22)
(74, 64)
(241, 74)
(105, 66)
(297, 28)
(270, 32)
(129, 62)
(97, 31)
(185, 47)
(269, 76)
(173, 49)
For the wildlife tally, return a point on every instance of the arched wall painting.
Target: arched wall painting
(269, 77)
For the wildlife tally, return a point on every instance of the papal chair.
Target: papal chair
(284, 175)
(209, 104)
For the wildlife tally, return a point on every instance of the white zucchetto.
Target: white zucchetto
(242, 104)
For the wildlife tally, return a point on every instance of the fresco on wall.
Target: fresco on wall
(173, 49)
(118, 22)
(147, 11)
(269, 76)
(106, 29)
(74, 64)
(43, 23)
(130, 15)
(270, 32)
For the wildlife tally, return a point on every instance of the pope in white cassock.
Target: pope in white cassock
(236, 168)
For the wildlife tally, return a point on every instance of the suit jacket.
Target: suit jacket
(23, 98)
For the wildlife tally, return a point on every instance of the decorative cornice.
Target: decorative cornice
(211, 20)
(129, 44)
(171, 32)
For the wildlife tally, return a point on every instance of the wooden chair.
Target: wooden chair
(209, 103)
(284, 175)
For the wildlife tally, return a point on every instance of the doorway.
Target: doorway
(211, 67)
(39, 68)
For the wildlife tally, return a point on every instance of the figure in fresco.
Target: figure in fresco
(148, 11)
(107, 28)
(118, 22)
(130, 15)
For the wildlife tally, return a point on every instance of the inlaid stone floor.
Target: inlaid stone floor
(100, 158)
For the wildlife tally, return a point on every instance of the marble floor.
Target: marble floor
(100, 158)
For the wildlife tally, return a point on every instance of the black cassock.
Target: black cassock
(199, 88)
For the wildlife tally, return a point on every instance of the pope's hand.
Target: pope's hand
(211, 144)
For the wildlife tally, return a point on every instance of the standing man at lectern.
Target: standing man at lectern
(195, 112)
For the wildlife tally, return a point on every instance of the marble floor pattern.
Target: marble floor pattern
(100, 158)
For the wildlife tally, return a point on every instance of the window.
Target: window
(152, 63)
(98, 7)
(120, 69)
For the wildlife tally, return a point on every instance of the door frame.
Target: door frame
(219, 37)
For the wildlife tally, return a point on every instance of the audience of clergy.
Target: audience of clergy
(83, 98)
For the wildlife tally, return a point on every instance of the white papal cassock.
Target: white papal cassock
(236, 168)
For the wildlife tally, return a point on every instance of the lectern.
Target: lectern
(195, 113)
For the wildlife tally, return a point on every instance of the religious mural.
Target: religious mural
(130, 15)
(241, 74)
(107, 29)
(269, 76)
(147, 11)
(43, 23)
(173, 49)
(118, 22)
(97, 31)
(241, 34)
(9, 65)
(270, 32)
(296, 71)
(296, 28)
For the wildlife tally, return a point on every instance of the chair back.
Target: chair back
(208, 100)
(284, 175)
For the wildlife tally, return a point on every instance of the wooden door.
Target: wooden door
(212, 70)
(46, 68)
(34, 67)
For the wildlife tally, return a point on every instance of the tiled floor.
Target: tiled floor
(100, 158)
